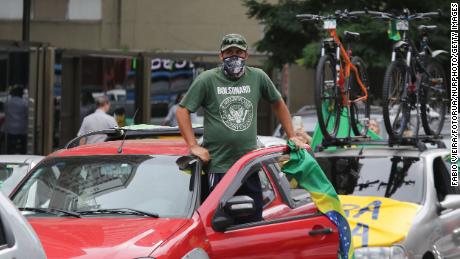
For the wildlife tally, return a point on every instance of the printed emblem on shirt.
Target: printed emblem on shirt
(236, 113)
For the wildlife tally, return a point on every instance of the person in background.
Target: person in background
(99, 120)
(170, 119)
(120, 116)
(374, 126)
(2, 134)
(87, 105)
(15, 127)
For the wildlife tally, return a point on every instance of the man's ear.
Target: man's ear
(246, 55)
(221, 56)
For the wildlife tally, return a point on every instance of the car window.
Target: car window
(255, 184)
(441, 176)
(297, 194)
(2, 235)
(153, 184)
(6, 170)
(396, 177)
(268, 194)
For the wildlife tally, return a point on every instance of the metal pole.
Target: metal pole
(26, 21)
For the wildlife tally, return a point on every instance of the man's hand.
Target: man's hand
(299, 143)
(200, 152)
(300, 132)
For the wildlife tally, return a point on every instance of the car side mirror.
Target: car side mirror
(240, 206)
(237, 206)
(452, 201)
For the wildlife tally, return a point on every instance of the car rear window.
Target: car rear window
(6, 170)
(399, 178)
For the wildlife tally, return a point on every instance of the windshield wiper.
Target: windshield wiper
(52, 211)
(126, 211)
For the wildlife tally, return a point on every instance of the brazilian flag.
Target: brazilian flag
(304, 168)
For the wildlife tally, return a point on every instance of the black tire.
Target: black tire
(360, 111)
(394, 83)
(327, 99)
(434, 98)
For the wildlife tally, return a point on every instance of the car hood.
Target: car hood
(378, 221)
(103, 237)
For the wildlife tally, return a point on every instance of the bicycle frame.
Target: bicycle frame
(344, 72)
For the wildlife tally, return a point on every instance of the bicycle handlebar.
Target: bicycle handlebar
(405, 16)
(337, 15)
(306, 17)
(429, 14)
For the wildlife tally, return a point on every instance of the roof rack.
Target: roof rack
(142, 131)
(417, 142)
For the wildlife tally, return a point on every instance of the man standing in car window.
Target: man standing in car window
(229, 95)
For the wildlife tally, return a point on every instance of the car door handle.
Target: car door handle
(321, 231)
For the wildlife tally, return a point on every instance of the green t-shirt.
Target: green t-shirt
(230, 112)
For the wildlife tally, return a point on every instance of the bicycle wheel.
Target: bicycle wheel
(433, 106)
(360, 111)
(327, 99)
(395, 107)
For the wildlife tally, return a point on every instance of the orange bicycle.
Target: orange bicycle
(338, 92)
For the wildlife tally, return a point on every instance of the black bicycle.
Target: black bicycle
(415, 84)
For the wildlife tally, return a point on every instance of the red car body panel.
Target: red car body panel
(103, 237)
(132, 237)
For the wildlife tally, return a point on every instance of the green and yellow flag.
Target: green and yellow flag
(304, 168)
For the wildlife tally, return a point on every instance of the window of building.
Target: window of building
(84, 10)
(50, 9)
(11, 9)
(60, 10)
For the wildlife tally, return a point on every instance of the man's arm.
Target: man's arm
(185, 126)
(282, 113)
(82, 131)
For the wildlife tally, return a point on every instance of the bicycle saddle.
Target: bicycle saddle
(351, 36)
(427, 28)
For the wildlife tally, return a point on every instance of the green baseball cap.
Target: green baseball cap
(233, 40)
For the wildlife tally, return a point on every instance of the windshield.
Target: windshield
(399, 178)
(153, 184)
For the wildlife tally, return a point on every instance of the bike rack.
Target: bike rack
(417, 142)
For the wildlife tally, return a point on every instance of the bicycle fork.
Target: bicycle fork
(411, 97)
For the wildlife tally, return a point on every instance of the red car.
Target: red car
(151, 201)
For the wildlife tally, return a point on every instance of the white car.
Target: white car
(17, 237)
(398, 200)
(13, 168)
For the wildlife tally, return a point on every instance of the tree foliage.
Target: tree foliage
(289, 40)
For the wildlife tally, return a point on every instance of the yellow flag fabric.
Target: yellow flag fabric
(377, 221)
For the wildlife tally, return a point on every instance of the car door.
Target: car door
(449, 243)
(17, 238)
(285, 231)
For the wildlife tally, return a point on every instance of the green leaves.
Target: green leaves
(290, 41)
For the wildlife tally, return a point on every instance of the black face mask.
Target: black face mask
(234, 67)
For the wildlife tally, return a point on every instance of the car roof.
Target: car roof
(130, 147)
(19, 158)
